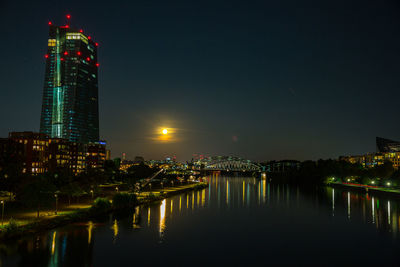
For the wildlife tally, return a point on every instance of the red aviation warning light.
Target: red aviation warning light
(50, 23)
(89, 37)
(68, 16)
(88, 58)
(46, 56)
(97, 64)
(97, 44)
(62, 59)
(79, 53)
(66, 53)
(80, 30)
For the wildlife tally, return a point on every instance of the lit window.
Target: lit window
(52, 42)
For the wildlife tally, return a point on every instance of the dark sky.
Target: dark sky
(258, 79)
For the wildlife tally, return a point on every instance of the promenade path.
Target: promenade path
(28, 216)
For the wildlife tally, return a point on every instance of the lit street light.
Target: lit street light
(2, 212)
(116, 189)
(91, 191)
(56, 196)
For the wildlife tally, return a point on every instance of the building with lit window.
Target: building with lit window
(96, 155)
(387, 150)
(59, 155)
(70, 93)
(35, 151)
(78, 157)
(387, 145)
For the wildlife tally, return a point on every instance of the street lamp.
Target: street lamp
(150, 186)
(91, 191)
(116, 189)
(56, 196)
(388, 183)
(2, 212)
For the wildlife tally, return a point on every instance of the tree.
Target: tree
(72, 190)
(38, 192)
(385, 170)
(111, 170)
(137, 172)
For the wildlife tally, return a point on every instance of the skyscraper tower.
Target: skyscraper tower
(70, 106)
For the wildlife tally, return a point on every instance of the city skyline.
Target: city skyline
(209, 133)
(262, 81)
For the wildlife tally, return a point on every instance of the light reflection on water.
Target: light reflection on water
(224, 195)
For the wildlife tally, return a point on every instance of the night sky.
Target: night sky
(258, 79)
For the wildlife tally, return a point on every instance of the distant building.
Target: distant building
(96, 155)
(70, 93)
(371, 160)
(387, 145)
(138, 160)
(282, 166)
(125, 165)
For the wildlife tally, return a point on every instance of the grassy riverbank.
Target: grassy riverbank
(16, 228)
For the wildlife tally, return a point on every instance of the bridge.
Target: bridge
(140, 186)
(233, 164)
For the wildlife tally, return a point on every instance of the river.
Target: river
(235, 221)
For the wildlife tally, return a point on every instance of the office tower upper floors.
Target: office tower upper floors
(70, 93)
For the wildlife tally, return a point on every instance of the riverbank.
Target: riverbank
(42, 224)
(368, 188)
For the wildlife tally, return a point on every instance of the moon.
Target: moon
(164, 131)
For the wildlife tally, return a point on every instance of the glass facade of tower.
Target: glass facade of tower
(70, 94)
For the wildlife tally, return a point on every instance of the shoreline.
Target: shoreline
(367, 189)
(86, 213)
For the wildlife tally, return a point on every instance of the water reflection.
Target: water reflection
(90, 229)
(136, 218)
(224, 196)
(115, 230)
(162, 217)
(373, 209)
(348, 205)
(333, 201)
(53, 243)
(148, 216)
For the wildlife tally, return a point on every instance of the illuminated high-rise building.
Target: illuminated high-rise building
(70, 94)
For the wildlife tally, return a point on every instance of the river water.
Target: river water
(235, 221)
